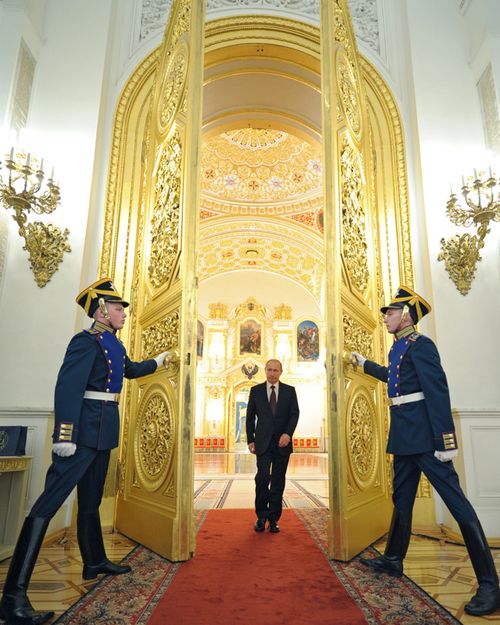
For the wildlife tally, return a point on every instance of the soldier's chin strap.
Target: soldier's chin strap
(103, 308)
(404, 316)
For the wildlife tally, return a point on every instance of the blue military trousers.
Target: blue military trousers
(86, 469)
(442, 475)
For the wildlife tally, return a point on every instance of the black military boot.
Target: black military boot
(487, 598)
(15, 607)
(398, 539)
(91, 545)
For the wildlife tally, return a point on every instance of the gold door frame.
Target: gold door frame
(388, 183)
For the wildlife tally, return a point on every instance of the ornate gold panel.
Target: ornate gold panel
(172, 88)
(154, 438)
(348, 94)
(362, 439)
(162, 335)
(165, 219)
(356, 337)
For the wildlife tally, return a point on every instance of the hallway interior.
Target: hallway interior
(226, 481)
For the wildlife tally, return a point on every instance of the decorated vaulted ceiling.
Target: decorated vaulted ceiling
(267, 245)
(260, 171)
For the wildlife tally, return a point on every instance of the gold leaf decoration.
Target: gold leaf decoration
(348, 92)
(165, 220)
(356, 337)
(154, 441)
(45, 244)
(461, 255)
(355, 247)
(172, 87)
(161, 336)
(362, 440)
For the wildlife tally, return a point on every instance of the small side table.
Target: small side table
(13, 483)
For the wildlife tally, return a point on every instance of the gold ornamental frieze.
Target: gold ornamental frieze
(348, 92)
(165, 219)
(162, 335)
(362, 439)
(172, 88)
(354, 242)
(154, 439)
(356, 337)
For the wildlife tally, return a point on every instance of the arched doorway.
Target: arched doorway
(271, 69)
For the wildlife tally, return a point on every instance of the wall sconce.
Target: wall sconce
(21, 190)
(461, 252)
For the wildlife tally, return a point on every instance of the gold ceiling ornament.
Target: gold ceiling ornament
(21, 190)
(461, 252)
(255, 165)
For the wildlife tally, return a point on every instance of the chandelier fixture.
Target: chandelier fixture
(460, 253)
(22, 189)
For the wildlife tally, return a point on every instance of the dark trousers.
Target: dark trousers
(442, 475)
(86, 469)
(270, 482)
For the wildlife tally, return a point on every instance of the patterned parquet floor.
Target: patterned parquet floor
(442, 569)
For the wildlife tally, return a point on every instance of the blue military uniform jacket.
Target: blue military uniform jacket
(95, 360)
(414, 366)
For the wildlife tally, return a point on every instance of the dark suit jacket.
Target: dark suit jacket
(261, 430)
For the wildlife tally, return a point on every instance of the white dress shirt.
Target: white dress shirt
(268, 388)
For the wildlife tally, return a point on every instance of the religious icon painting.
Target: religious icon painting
(307, 341)
(250, 337)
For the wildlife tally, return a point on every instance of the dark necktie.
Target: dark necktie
(272, 400)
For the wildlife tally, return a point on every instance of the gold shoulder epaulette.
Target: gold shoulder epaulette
(414, 336)
(91, 331)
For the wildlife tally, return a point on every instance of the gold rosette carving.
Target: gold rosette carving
(362, 440)
(172, 88)
(165, 220)
(154, 440)
(355, 247)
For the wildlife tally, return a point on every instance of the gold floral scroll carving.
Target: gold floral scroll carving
(461, 255)
(165, 219)
(154, 440)
(348, 92)
(160, 336)
(172, 87)
(45, 244)
(356, 337)
(355, 247)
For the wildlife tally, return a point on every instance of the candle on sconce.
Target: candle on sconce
(475, 174)
(52, 174)
(12, 153)
(463, 181)
(41, 165)
(28, 160)
(491, 174)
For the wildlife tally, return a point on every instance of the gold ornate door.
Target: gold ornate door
(359, 471)
(155, 499)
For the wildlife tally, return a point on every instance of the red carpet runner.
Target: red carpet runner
(240, 576)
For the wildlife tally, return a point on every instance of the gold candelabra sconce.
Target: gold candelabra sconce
(461, 253)
(22, 189)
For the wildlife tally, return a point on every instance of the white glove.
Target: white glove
(446, 456)
(163, 359)
(360, 360)
(63, 449)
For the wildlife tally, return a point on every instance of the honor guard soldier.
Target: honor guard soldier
(86, 429)
(422, 439)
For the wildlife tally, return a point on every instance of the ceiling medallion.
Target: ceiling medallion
(255, 138)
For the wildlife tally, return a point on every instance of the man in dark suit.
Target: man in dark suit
(86, 429)
(272, 416)
(422, 439)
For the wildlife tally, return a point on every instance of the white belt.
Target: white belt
(406, 399)
(101, 396)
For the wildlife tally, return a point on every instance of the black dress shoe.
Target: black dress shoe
(485, 601)
(384, 564)
(274, 528)
(260, 525)
(107, 567)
